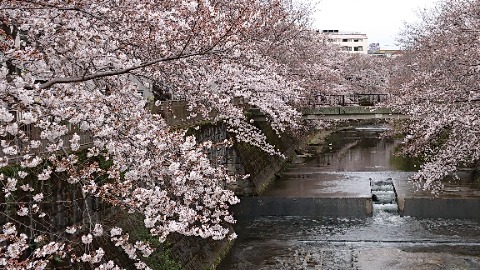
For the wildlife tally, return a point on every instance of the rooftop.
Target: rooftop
(337, 32)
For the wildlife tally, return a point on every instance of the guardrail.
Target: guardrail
(350, 112)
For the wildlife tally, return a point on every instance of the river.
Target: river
(385, 240)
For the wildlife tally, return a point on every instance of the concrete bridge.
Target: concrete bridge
(349, 106)
(349, 99)
(350, 112)
(343, 107)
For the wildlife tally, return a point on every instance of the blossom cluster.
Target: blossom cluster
(436, 82)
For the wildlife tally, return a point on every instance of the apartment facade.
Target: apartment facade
(352, 42)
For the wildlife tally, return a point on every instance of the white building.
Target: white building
(354, 42)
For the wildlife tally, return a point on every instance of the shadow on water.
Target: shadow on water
(382, 241)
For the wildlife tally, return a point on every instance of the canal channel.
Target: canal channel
(354, 159)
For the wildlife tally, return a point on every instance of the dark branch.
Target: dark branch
(103, 74)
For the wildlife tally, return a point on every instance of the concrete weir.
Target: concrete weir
(254, 207)
(311, 194)
(340, 182)
(458, 199)
(350, 195)
(312, 216)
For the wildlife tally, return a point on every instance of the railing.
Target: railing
(349, 100)
(175, 113)
(34, 133)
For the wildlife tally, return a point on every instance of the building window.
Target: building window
(358, 49)
(330, 31)
(357, 40)
(345, 40)
(347, 48)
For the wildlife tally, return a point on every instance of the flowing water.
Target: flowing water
(384, 241)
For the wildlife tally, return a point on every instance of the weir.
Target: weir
(331, 184)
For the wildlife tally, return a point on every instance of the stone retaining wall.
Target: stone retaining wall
(242, 158)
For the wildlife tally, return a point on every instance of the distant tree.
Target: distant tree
(366, 74)
(437, 86)
(373, 47)
(308, 59)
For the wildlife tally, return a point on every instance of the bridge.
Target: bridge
(343, 107)
(352, 112)
(349, 99)
(349, 106)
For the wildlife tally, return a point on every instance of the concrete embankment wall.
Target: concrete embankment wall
(458, 199)
(262, 166)
(440, 207)
(254, 207)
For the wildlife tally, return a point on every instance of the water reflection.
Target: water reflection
(383, 241)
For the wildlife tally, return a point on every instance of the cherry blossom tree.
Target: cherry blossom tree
(366, 74)
(311, 60)
(437, 85)
(321, 67)
(70, 116)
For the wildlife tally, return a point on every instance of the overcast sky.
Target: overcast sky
(381, 20)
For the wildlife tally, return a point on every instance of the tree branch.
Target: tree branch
(102, 74)
(49, 6)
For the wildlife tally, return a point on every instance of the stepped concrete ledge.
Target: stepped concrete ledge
(459, 199)
(311, 194)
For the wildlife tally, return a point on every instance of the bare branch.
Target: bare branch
(97, 75)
